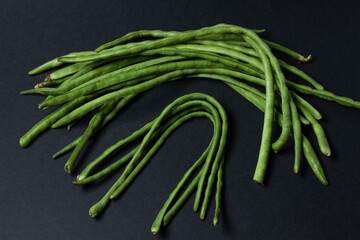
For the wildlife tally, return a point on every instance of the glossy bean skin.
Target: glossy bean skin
(296, 134)
(268, 116)
(318, 130)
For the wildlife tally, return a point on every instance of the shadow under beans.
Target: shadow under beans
(164, 233)
(225, 222)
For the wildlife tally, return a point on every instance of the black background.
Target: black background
(38, 200)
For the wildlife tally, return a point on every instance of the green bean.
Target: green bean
(315, 113)
(268, 116)
(46, 66)
(313, 160)
(297, 134)
(301, 74)
(93, 124)
(67, 148)
(66, 71)
(72, 124)
(53, 63)
(46, 122)
(43, 91)
(107, 170)
(324, 94)
(52, 82)
(160, 217)
(318, 130)
(177, 205)
(218, 192)
(288, 51)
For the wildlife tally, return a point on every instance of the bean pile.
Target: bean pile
(112, 75)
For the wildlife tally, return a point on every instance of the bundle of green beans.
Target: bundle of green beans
(112, 75)
(155, 133)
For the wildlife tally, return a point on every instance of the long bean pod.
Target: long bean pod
(46, 122)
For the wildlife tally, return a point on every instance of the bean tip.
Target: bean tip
(305, 59)
(39, 85)
(23, 143)
(79, 178)
(91, 213)
(325, 182)
(32, 72)
(216, 221)
(48, 78)
(43, 105)
(155, 229)
(260, 181)
(67, 168)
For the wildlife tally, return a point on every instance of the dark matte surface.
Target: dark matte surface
(38, 200)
